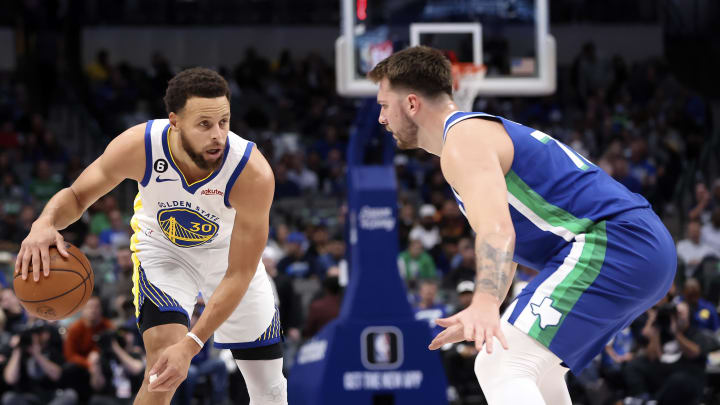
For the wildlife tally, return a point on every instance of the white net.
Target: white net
(466, 76)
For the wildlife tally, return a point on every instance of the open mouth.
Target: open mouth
(213, 153)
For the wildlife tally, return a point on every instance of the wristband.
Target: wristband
(196, 339)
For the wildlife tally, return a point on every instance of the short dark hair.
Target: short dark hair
(194, 82)
(419, 68)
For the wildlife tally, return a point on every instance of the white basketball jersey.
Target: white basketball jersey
(186, 218)
(181, 238)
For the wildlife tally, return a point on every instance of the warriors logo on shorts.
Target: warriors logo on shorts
(186, 228)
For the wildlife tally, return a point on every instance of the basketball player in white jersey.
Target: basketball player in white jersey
(201, 223)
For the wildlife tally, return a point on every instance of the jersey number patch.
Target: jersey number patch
(160, 165)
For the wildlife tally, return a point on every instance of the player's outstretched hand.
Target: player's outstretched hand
(171, 368)
(35, 250)
(479, 323)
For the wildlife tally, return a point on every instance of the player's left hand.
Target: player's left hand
(171, 367)
(479, 323)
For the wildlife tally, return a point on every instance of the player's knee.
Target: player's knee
(265, 381)
(158, 338)
(267, 392)
(488, 367)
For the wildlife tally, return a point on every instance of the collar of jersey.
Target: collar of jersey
(193, 187)
(457, 116)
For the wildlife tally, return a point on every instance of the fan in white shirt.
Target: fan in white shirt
(691, 250)
(710, 232)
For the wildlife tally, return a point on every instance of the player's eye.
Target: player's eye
(204, 124)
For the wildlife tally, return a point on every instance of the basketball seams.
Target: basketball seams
(83, 279)
(82, 301)
(78, 259)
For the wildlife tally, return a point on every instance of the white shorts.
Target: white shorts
(173, 284)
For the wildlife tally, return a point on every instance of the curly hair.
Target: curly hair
(420, 68)
(194, 82)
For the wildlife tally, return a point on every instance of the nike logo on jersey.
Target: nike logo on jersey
(159, 180)
(549, 316)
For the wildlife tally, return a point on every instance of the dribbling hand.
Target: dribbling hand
(479, 322)
(35, 250)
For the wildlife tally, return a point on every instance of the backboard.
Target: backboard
(509, 37)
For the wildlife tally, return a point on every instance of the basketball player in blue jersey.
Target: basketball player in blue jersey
(201, 223)
(602, 255)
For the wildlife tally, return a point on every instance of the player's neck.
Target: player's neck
(432, 125)
(189, 169)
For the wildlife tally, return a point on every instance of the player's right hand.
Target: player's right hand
(35, 250)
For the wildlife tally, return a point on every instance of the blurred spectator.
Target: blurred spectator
(416, 264)
(297, 263)
(284, 186)
(33, 370)
(621, 172)
(427, 308)
(641, 166)
(99, 213)
(465, 267)
(691, 251)
(323, 309)
(14, 313)
(99, 257)
(45, 184)
(459, 358)
(672, 368)
(203, 365)
(118, 234)
(82, 335)
(617, 353)
(99, 69)
(80, 341)
(710, 232)
(335, 182)
(427, 231)
(452, 223)
(299, 174)
(702, 210)
(334, 256)
(53, 151)
(116, 368)
(405, 178)
(406, 221)
(319, 239)
(703, 314)
(12, 193)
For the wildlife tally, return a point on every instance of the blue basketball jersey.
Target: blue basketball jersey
(554, 193)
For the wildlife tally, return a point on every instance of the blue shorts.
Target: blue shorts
(597, 285)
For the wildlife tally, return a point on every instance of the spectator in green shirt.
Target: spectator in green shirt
(45, 184)
(416, 264)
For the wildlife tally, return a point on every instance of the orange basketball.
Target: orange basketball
(63, 292)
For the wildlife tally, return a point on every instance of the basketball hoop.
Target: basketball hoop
(464, 75)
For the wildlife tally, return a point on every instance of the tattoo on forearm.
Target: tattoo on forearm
(494, 266)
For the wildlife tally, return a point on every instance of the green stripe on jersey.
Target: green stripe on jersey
(551, 214)
(568, 292)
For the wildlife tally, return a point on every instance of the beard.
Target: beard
(197, 157)
(407, 135)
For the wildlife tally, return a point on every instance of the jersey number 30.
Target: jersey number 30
(207, 228)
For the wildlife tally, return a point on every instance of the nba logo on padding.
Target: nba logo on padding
(186, 228)
(382, 347)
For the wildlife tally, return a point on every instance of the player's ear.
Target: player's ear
(412, 103)
(173, 120)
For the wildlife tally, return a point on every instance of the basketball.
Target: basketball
(63, 292)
